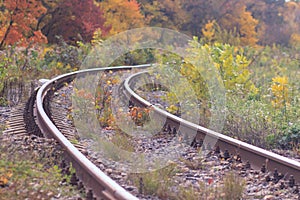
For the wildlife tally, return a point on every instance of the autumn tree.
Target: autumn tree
(268, 15)
(18, 19)
(165, 13)
(121, 15)
(270, 29)
(202, 11)
(74, 20)
(244, 23)
(291, 17)
(51, 6)
(232, 19)
(197, 19)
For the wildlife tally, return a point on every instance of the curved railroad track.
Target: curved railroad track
(38, 121)
(258, 158)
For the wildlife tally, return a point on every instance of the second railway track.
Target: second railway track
(258, 157)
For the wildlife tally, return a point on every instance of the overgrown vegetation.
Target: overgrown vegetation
(27, 174)
(162, 184)
(232, 188)
(19, 65)
(261, 83)
(155, 183)
(261, 106)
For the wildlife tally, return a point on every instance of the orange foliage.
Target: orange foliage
(244, 23)
(18, 22)
(209, 31)
(122, 15)
(139, 115)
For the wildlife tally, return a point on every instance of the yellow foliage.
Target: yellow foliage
(59, 65)
(45, 50)
(233, 67)
(122, 15)
(173, 109)
(295, 40)
(208, 31)
(280, 91)
(97, 37)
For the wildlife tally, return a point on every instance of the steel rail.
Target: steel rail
(91, 175)
(255, 155)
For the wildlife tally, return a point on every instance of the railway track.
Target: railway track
(40, 121)
(257, 157)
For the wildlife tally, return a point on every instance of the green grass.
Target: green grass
(156, 183)
(25, 174)
(161, 183)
